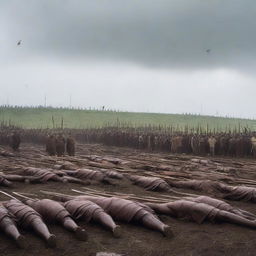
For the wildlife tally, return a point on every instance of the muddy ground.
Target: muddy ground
(189, 238)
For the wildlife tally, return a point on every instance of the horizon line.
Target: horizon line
(121, 111)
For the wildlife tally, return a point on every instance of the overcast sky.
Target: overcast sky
(171, 56)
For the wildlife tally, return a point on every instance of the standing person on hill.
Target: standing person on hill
(253, 145)
(212, 142)
(60, 145)
(51, 145)
(70, 145)
(15, 141)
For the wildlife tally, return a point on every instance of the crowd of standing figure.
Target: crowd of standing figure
(12, 139)
(224, 144)
(58, 145)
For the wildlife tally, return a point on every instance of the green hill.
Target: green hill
(40, 117)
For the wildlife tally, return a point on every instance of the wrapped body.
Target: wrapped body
(150, 183)
(89, 211)
(88, 174)
(200, 212)
(129, 211)
(8, 226)
(240, 193)
(4, 182)
(112, 174)
(42, 175)
(27, 217)
(236, 193)
(221, 205)
(208, 186)
(52, 211)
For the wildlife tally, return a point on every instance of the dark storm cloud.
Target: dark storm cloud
(160, 33)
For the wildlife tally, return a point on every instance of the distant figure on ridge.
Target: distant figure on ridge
(70, 145)
(60, 145)
(15, 141)
(51, 145)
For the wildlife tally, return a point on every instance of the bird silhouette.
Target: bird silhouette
(19, 42)
(208, 51)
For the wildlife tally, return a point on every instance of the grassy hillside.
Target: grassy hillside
(75, 118)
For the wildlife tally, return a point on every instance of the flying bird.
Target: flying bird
(208, 51)
(19, 42)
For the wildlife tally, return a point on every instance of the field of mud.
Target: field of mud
(188, 238)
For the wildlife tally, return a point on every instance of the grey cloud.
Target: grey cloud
(157, 33)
